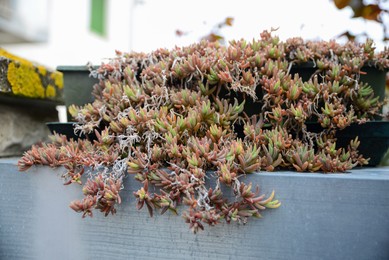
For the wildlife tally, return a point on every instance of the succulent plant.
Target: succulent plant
(176, 118)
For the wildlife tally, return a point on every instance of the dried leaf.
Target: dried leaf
(340, 4)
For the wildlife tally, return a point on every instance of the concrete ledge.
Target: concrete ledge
(338, 216)
(24, 125)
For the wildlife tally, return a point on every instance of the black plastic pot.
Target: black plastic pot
(373, 137)
(373, 76)
(67, 129)
(78, 85)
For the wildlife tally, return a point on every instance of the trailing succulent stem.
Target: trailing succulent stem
(176, 119)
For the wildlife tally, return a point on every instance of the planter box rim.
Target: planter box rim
(75, 67)
(369, 173)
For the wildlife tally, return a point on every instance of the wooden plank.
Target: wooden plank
(334, 216)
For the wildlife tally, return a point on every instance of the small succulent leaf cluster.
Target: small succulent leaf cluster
(175, 119)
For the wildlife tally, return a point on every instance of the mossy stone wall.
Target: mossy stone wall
(29, 94)
(23, 78)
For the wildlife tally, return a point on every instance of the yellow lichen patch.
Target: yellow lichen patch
(58, 79)
(25, 81)
(30, 79)
(10, 56)
(42, 70)
(50, 91)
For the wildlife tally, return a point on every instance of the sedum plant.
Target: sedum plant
(191, 121)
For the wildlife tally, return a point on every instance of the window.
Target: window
(98, 17)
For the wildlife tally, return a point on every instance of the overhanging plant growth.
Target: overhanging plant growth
(176, 119)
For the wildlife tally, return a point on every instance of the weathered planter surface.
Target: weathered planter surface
(339, 216)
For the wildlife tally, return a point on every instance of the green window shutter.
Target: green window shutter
(97, 18)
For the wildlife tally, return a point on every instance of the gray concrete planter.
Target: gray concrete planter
(338, 216)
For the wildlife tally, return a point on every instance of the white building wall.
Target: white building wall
(70, 41)
(145, 25)
(25, 18)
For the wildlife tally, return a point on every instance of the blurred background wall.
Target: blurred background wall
(74, 32)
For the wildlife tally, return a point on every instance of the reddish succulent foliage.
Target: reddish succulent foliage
(177, 118)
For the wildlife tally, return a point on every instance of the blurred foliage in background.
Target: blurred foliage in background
(375, 10)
